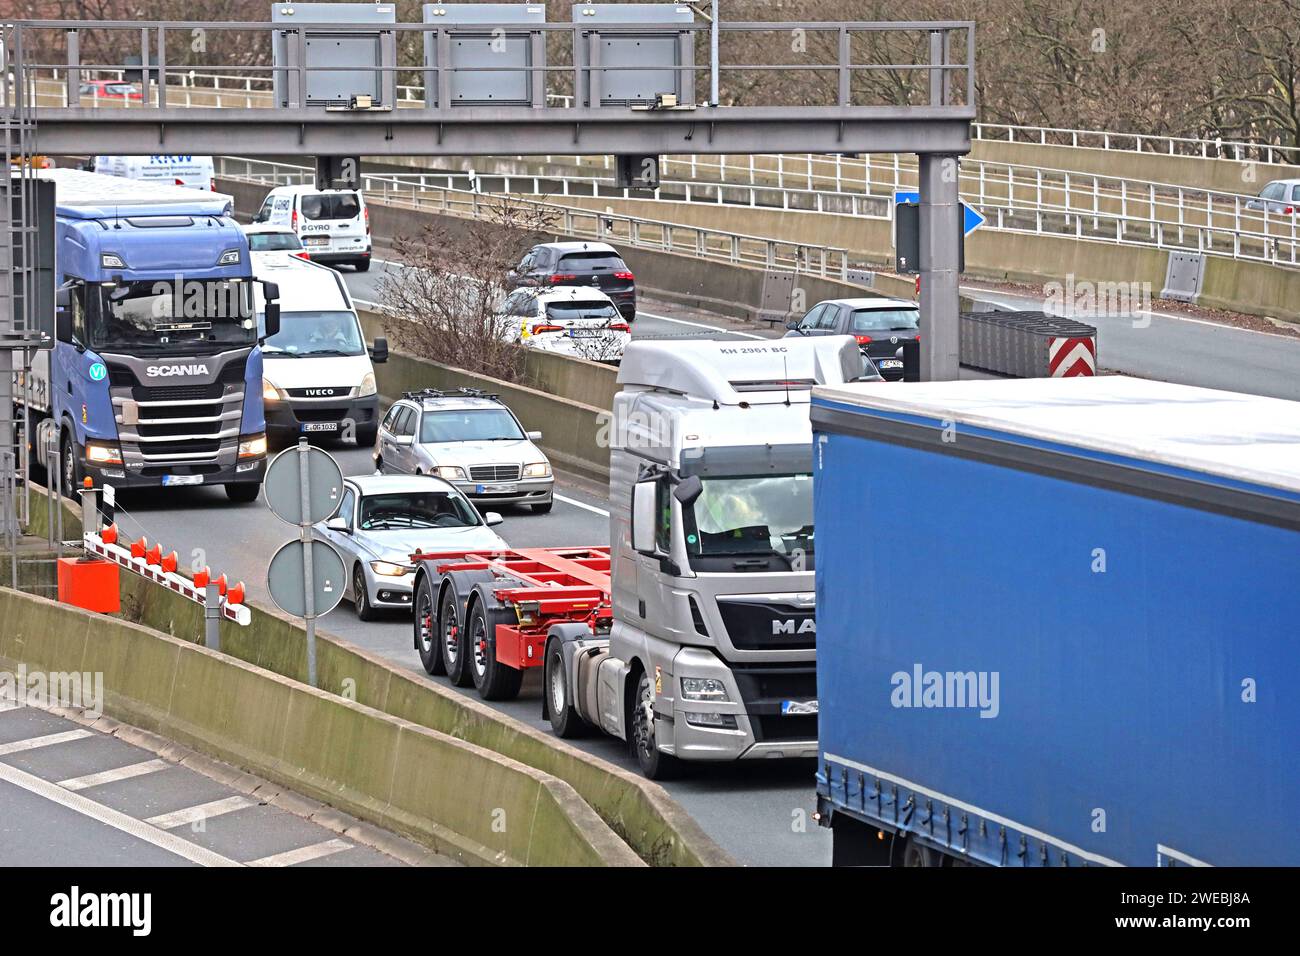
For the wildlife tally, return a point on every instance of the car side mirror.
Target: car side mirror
(271, 292)
(492, 518)
(534, 436)
(688, 489)
(643, 516)
(403, 439)
(338, 524)
(379, 351)
(792, 324)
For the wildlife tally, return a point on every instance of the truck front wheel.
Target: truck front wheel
(493, 679)
(242, 492)
(71, 466)
(564, 719)
(655, 764)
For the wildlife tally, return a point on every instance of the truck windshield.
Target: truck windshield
(170, 315)
(315, 333)
(759, 523)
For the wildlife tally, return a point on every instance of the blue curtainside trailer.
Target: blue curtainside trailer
(1084, 649)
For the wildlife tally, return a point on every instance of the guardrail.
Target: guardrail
(422, 192)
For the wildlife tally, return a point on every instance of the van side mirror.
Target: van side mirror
(643, 516)
(271, 292)
(379, 351)
(688, 489)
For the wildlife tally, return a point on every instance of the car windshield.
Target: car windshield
(416, 509)
(757, 516)
(169, 315)
(316, 333)
(330, 206)
(590, 309)
(469, 424)
(884, 320)
(591, 262)
(273, 242)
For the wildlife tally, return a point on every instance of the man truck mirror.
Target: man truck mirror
(643, 517)
(688, 489)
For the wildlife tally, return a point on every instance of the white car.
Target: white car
(574, 320)
(272, 245)
(333, 224)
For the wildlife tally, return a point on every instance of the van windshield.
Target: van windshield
(330, 206)
(315, 333)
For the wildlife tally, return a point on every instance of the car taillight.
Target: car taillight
(293, 221)
(367, 220)
(212, 185)
(178, 182)
(1288, 210)
(625, 275)
(559, 277)
(619, 327)
(863, 339)
(547, 328)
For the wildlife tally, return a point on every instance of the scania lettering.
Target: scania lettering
(155, 377)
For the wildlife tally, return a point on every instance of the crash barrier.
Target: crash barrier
(1028, 344)
(458, 798)
(657, 830)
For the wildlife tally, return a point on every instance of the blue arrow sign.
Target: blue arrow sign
(971, 220)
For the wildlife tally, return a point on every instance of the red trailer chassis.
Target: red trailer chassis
(543, 586)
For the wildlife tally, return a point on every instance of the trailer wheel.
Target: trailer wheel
(451, 645)
(427, 629)
(493, 679)
(916, 854)
(564, 719)
(655, 764)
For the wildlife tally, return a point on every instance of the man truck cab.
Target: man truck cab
(333, 224)
(317, 373)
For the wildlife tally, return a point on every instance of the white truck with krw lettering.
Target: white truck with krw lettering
(711, 652)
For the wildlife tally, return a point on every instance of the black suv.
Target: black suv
(594, 264)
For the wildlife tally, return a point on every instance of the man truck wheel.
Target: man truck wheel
(564, 719)
(493, 679)
(451, 642)
(654, 764)
(426, 629)
(243, 492)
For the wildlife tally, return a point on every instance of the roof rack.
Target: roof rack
(424, 393)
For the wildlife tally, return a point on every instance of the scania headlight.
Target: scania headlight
(539, 469)
(253, 447)
(703, 688)
(390, 570)
(368, 385)
(451, 473)
(230, 257)
(272, 393)
(111, 260)
(103, 454)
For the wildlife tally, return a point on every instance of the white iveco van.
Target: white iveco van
(317, 377)
(333, 224)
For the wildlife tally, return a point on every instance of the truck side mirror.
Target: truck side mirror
(63, 315)
(271, 292)
(643, 516)
(379, 352)
(688, 489)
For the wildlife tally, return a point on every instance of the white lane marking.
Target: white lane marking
(701, 325)
(203, 811)
(113, 818)
(31, 743)
(111, 776)
(582, 504)
(303, 854)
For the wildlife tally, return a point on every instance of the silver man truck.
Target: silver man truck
(710, 653)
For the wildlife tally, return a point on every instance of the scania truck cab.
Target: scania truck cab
(156, 374)
(711, 652)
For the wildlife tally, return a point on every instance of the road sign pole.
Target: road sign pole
(309, 592)
(940, 244)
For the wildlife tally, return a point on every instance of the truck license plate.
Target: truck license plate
(169, 480)
(320, 427)
(798, 708)
(890, 363)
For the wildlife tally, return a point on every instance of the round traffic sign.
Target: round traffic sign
(286, 578)
(284, 480)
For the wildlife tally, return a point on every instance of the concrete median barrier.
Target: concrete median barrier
(461, 799)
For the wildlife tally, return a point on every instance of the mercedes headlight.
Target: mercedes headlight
(541, 469)
(703, 688)
(451, 472)
(368, 385)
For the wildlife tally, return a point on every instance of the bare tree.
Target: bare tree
(446, 297)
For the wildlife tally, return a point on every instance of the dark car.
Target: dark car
(879, 325)
(595, 264)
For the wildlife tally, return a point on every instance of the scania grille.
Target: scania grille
(494, 473)
(178, 393)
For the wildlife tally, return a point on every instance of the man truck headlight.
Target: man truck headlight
(703, 688)
(389, 570)
(451, 473)
(272, 393)
(539, 469)
(253, 447)
(103, 454)
(367, 385)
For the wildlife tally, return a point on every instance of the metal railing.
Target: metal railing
(1216, 148)
(437, 193)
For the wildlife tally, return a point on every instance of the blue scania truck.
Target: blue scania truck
(1085, 649)
(155, 378)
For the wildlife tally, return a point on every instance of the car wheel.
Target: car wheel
(426, 629)
(362, 265)
(366, 435)
(654, 764)
(493, 679)
(360, 598)
(451, 644)
(544, 508)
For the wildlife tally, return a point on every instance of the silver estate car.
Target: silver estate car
(382, 520)
(472, 440)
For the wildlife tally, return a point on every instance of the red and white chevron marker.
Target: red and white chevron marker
(1070, 357)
